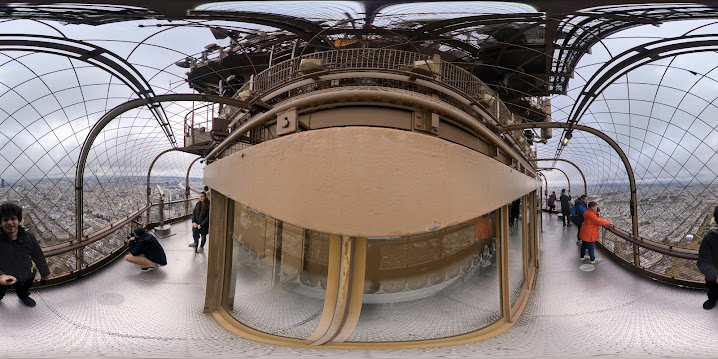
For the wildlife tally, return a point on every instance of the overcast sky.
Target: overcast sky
(663, 115)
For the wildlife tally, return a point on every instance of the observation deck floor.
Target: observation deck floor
(119, 311)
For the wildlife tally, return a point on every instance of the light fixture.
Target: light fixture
(566, 137)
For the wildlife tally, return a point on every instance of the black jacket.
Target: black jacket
(708, 256)
(201, 217)
(150, 247)
(565, 202)
(16, 256)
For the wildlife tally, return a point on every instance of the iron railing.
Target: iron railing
(75, 259)
(390, 60)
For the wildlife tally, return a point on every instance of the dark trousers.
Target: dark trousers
(578, 230)
(591, 248)
(565, 213)
(712, 291)
(22, 289)
(196, 235)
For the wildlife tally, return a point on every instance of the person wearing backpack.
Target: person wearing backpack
(577, 218)
(708, 264)
(565, 207)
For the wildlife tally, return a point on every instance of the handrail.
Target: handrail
(103, 232)
(97, 235)
(664, 249)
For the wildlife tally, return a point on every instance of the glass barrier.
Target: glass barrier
(431, 285)
(516, 249)
(278, 274)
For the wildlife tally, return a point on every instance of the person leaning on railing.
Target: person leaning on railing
(708, 264)
(18, 249)
(589, 231)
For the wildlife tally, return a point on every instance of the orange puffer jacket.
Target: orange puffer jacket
(591, 223)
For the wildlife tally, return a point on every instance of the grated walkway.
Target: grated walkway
(121, 312)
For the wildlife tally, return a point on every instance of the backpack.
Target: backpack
(576, 216)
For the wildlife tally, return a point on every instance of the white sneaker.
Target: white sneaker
(596, 260)
(200, 249)
(584, 258)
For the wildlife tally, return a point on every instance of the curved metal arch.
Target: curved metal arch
(560, 170)
(149, 172)
(635, 57)
(630, 60)
(111, 115)
(186, 193)
(585, 185)
(629, 170)
(93, 55)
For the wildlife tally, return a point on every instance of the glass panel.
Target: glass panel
(516, 249)
(448, 276)
(278, 274)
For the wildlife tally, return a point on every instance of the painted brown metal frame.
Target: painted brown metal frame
(585, 184)
(560, 170)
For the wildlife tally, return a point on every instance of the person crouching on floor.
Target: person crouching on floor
(145, 250)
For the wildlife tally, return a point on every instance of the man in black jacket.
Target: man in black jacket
(145, 250)
(708, 264)
(200, 222)
(18, 249)
(565, 207)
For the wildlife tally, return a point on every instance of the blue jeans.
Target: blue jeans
(591, 246)
(196, 234)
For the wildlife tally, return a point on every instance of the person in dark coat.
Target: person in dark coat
(580, 208)
(565, 207)
(200, 222)
(551, 202)
(708, 264)
(145, 250)
(18, 249)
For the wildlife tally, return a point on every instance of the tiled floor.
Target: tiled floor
(121, 312)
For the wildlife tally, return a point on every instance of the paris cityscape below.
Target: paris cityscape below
(677, 215)
(49, 210)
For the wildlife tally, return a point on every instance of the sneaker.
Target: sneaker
(28, 301)
(709, 304)
(596, 260)
(148, 269)
(192, 245)
(584, 258)
(200, 249)
(564, 224)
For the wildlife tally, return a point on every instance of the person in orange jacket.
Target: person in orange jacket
(589, 231)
